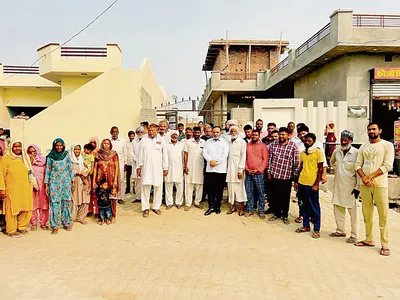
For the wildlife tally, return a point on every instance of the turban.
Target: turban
(234, 127)
(347, 134)
(140, 129)
(232, 122)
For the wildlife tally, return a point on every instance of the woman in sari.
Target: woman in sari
(80, 185)
(2, 220)
(106, 166)
(58, 184)
(40, 210)
(93, 199)
(16, 181)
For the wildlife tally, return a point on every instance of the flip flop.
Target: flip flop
(363, 244)
(303, 229)
(337, 234)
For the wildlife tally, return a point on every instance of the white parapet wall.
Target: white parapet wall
(282, 111)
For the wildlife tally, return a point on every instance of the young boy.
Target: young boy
(88, 157)
(311, 160)
(103, 201)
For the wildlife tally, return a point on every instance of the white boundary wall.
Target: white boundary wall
(315, 117)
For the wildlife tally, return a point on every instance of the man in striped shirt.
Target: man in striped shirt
(283, 168)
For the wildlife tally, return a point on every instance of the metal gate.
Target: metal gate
(386, 91)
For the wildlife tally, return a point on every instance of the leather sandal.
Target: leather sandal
(156, 211)
(303, 229)
(145, 213)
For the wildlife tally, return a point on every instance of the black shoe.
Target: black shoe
(120, 201)
(136, 200)
(218, 211)
(209, 211)
(127, 192)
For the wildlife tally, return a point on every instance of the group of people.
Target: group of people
(186, 166)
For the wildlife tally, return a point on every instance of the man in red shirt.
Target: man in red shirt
(256, 163)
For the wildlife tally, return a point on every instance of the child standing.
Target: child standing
(103, 200)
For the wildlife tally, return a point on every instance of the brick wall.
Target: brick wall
(261, 59)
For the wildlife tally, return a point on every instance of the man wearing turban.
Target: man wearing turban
(345, 189)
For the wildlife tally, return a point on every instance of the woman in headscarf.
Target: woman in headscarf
(93, 199)
(330, 141)
(16, 182)
(40, 210)
(80, 185)
(107, 166)
(94, 140)
(58, 184)
(2, 221)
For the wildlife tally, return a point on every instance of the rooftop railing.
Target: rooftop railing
(315, 39)
(376, 21)
(238, 76)
(21, 70)
(280, 66)
(83, 52)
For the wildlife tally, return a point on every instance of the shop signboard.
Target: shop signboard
(387, 73)
(397, 139)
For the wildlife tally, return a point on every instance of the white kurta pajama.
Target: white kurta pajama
(153, 160)
(135, 161)
(175, 173)
(236, 164)
(195, 179)
(119, 146)
(345, 182)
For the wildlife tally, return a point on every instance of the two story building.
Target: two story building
(75, 93)
(347, 72)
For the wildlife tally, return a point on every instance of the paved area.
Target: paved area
(185, 255)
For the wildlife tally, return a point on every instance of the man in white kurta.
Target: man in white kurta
(194, 166)
(153, 166)
(175, 172)
(345, 190)
(235, 173)
(135, 161)
(119, 146)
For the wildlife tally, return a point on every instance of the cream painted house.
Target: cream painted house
(75, 93)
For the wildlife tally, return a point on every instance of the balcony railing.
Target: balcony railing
(238, 76)
(21, 70)
(280, 66)
(376, 21)
(83, 52)
(312, 41)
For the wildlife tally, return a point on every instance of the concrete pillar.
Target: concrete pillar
(320, 126)
(342, 117)
(224, 105)
(114, 56)
(341, 25)
(50, 57)
(1, 73)
(292, 57)
(310, 115)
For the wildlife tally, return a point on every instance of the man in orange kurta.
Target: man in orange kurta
(15, 190)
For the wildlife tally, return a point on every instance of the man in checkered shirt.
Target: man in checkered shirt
(284, 164)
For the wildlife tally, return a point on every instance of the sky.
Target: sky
(172, 34)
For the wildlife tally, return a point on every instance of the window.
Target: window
(388, 57)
